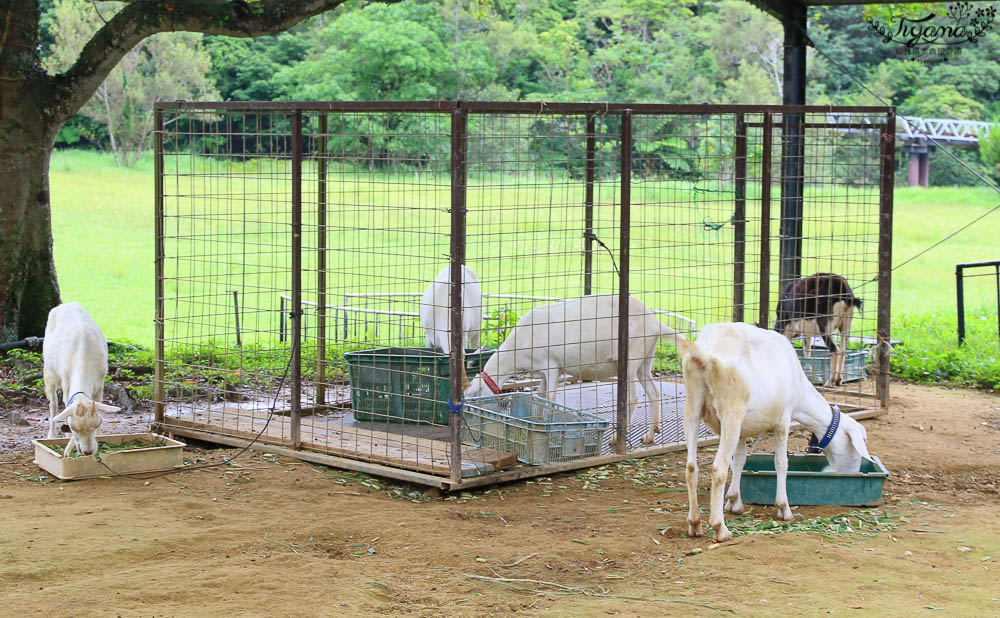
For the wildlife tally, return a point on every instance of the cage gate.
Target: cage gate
(330, 275)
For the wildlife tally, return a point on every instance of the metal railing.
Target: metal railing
(367, 318)
(960, 291)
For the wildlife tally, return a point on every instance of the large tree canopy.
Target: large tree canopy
(34, 105)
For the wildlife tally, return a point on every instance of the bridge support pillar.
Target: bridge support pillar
(918, 172)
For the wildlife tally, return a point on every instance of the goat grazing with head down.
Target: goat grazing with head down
(815, 306)
(75, 359)
(743, 381)
(579, 338)
(435, 312)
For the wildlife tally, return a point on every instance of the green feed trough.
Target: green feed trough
(807, 484)
(405, 385)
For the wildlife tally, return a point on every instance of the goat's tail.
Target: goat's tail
(721, 380)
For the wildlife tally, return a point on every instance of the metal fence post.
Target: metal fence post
(621, 428)
(321, 263)
(158, 386)
(459, 126)
(740, 218)
(296, 309)
(960, 301)
(765, 222)
(886, 173)
(588, 208)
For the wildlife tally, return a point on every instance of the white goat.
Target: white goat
(744, 381)
(435, 310)
(75, 357)
(579, 338)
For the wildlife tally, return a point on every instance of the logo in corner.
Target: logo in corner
(961, 23)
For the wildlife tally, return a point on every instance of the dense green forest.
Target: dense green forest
(668, 51)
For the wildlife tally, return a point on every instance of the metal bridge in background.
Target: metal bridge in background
(920, 136)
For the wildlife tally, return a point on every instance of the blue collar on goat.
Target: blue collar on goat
(73, 396)
(817, 447)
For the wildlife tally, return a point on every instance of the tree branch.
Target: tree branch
(143, 18)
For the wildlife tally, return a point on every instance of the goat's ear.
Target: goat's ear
(65, 414)
(104, 408)
(856, 433)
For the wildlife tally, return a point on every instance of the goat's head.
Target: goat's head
(477, 388)
(84, 419)
(847, 448)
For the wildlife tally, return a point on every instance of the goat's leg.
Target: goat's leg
(836, 360)
(649, 386)
(734, 502)
(69, 447)
(550, 379)
(781, 473)
(720, 471)
(837, 364)
(692, 423)
(52, 392)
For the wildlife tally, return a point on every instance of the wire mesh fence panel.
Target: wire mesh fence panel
(836, 234)
(306, 292)
(225, 260)
(376, 237)
(543, 229)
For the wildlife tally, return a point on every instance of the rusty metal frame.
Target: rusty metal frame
(459, 112)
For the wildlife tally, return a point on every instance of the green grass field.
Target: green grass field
(103, 230)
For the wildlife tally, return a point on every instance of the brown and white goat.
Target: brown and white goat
(815, 306)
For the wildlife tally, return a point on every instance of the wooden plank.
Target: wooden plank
(496, 459)
(319, 458)
(409, 452)
(548, 469)
(388, 456)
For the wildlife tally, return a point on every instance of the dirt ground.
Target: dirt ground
(269, 536)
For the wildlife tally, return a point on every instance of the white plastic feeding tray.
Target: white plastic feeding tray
(132, 461)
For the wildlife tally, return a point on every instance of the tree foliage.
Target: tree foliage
(674, 51)
(161, 67)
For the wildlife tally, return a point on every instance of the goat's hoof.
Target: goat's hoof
(694, 529)
(648, 439)
(785, 514)
(722, 534)
(734, 506)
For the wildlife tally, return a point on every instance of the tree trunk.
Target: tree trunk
(28, 287)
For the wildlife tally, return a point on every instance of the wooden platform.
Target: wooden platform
(383, 447)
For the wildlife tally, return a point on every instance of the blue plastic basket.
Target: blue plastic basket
(536, 429)
(817, 365)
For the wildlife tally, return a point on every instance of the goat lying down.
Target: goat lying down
(75, 359)
(815, 306)
(744, 381)
(579, 338)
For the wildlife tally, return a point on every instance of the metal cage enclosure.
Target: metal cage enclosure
(297, 243)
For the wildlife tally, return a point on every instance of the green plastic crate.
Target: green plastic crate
(405, 385)
(807, 484)
(817, 365)
(535, 429)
